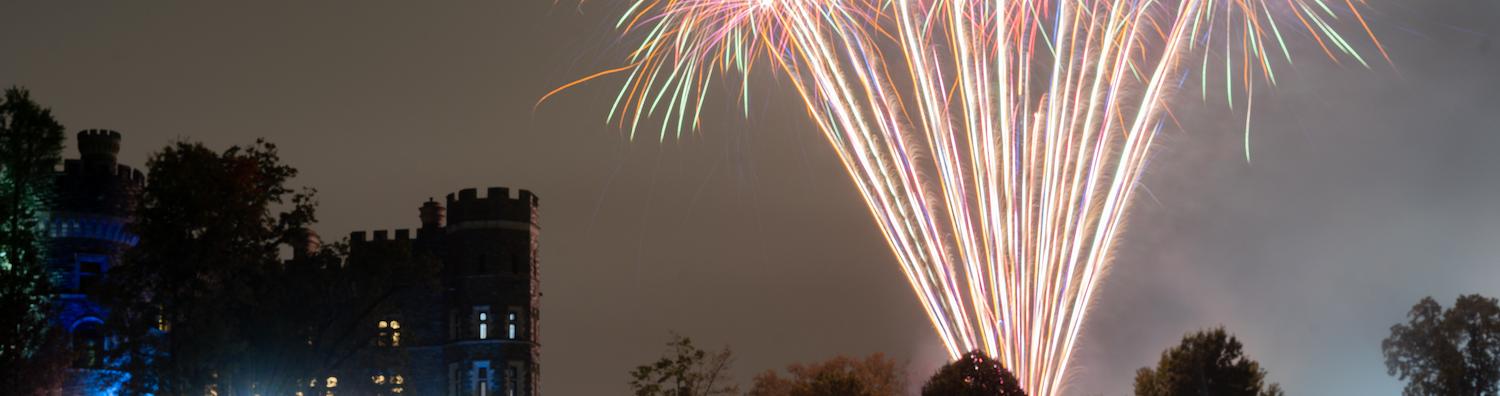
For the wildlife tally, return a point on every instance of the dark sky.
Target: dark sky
(1369, 188)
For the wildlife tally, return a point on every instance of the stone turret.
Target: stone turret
(99, 147)
(96, 183)
(88, 226)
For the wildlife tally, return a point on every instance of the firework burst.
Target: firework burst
(996, 143)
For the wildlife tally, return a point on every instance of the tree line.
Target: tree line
(1438, 352)
(1208, 362)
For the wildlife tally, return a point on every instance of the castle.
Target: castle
(480, 334)
(477, 334)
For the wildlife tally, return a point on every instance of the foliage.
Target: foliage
(973, 374)
(208, 241)
(1447, 352)
(875, 375)
(205, 302)
(30, 148)
(45, 372)
(684, 370)
(1210, 362)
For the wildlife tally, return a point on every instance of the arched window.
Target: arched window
(484, 325)
(511, 319)
(480, 317)
(88, 342)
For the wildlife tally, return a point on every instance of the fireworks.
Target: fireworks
(996, 143)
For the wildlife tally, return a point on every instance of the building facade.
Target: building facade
(479, 334)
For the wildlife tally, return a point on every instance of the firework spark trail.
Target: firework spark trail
(996, 143)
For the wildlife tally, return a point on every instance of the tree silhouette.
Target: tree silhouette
(1210, 362)
(181, 303)
(973, 374)
(684, 370)
(30, 148)
(205, 301)
(1447, 352)
(875, 375)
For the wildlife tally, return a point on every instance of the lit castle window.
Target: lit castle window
(389, 334)
(484, 325)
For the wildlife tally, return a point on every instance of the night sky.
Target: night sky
(1367, 190)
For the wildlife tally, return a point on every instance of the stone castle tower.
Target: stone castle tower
(480, 335)
(87, 229)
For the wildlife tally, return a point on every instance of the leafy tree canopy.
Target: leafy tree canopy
(973, 374)
(31, 144)
(1207, 363)
(875, 375)
(684, 370)
(1447, 352)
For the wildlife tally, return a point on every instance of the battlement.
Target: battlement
(401, 235)
(99, 145)
(498, 204)
(124, 173)
(100, 134)
(98, 149)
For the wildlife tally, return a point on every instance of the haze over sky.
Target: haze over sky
(1368, 190)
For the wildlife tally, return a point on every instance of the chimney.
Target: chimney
(304, 243)
(432, 214)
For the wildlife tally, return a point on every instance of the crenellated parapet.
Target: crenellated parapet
(126, 174)
(380, 243)
(400, 235)
(498, 205)
(98, 145)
